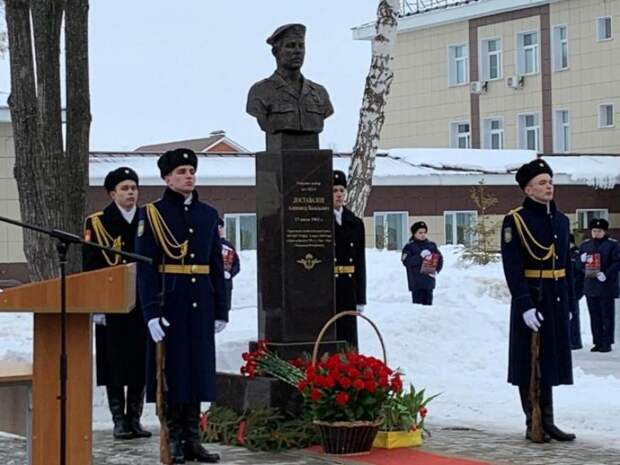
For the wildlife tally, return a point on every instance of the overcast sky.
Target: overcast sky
(163, 71)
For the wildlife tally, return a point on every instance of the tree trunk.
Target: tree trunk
(50, 182)
(371, 120)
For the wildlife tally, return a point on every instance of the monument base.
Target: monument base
(291, 350)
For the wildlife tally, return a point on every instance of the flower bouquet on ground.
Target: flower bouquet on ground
(263, 362)
(404, 414)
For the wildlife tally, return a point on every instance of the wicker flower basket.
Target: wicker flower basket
(347, 437)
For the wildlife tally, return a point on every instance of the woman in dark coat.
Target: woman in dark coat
(423, 261)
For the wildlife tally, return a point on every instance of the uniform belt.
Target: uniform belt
(344, 269)
(546, 274)
(184, 269)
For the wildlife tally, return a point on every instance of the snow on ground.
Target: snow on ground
(458, 347)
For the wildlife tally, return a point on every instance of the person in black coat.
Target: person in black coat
(423, 261)
(600, 260)
(180, 234)
(350, 262)
(231, 262)
(537, 267)
(578, 277)
(120, 340)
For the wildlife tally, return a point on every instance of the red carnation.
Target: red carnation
(371, 386)
(358, 384)
(353, 372)
(344, 382)
(315, 394)
(342, 398)
(303, 384)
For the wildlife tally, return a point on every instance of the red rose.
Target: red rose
(353, 372)
(329, 381)
(358, 384)
(383, 382)
(423, 411)
(315, 395)
(344, 382)
(342, 398)
(302, 385)
(371, 386)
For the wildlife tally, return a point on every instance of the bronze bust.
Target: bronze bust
(287, 101)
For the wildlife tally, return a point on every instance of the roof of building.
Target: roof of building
(197, 145)
(445, 12)
(393, 167)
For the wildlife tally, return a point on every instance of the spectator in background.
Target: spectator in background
(600, 260)
(578, 277)
(231, 262)
(423, 261)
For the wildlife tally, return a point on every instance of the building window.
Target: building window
(562, 131)
(460, 137)
(606, 115)
(560, 47)
(491, 59)
(459, 227)
(241, 230)
(459, 64)
(493, 129)
(529, 131)
(584, 216)
(390, 230)
(603, 28)
(527, 53)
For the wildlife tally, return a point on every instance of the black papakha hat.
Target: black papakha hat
(340, 179)
(418, 225)
(599, 223)
(298, 29)
(532, 169)
(124, 173)
(177, 157)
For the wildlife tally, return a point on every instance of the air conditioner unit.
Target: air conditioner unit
(514, 82)
(478, 87)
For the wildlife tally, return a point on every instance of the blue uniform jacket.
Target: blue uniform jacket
(413, 262)
(549, 296)
(610, 265)
(192, 301)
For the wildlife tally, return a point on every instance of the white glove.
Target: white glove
(583, 257)
(220, 325)
(601, 276)
(227, 274)
(360, 308)
(99, 319)
(531, 320)
(425, 253)
(157, 332)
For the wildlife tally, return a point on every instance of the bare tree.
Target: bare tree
(51, 182)
(371, 120)
(484, 248)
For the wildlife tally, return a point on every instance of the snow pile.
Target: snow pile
(458, 347)
(600, 172)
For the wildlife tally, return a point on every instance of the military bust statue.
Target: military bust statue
(286, 101)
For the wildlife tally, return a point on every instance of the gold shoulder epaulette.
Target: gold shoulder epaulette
(106, 239)
(169, 244)
(93, 215)
(515, 210)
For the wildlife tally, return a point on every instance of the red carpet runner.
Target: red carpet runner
(402, 456)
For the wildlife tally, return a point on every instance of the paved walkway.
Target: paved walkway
(495, 448)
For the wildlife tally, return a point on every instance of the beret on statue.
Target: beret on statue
(340, 179)
(113, 178)
(175, 158)
(532, 169)
(599, 223)
(298, 29)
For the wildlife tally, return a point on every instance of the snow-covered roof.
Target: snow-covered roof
(393, 167)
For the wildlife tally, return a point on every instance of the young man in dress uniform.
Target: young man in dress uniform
(231, 262)
(350, 266)
(537, 266)
(120, 339)
(600, 259)
(180, 234)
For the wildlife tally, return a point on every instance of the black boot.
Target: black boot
(116, 402)
(193, 448)
(174, 421)
(546, 406)
(135, 403)
(526, 405)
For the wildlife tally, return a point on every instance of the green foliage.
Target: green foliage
(406, 411)
(262, 429)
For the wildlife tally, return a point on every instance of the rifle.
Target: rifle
(162, 404)
(534, 388)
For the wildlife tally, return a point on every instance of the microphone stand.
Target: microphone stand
(65, 239)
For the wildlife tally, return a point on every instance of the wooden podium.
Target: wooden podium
(109, 290)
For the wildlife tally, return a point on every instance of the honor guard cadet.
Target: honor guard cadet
(350, 262)
(120, 339)
(599, 257)
(536, 260)
(183, 298)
